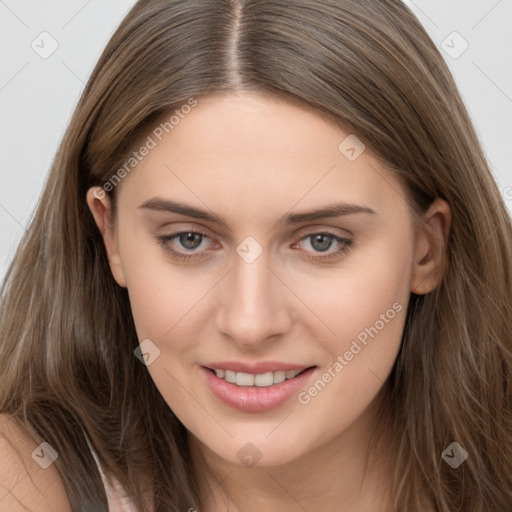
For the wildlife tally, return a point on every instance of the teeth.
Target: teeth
(259, 380)
(244, 379)
(230, 376)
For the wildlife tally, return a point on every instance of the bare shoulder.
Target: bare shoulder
(28, 480)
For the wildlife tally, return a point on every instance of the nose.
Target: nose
(254, 306)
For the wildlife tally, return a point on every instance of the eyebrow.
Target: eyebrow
(334, 210)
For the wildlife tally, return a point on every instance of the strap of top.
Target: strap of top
(118, 500)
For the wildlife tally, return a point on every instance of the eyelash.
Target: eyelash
(346, 245)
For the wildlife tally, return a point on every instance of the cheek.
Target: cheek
(163, 294)
(360, 312)
(368, 321)
(352, 295)
(167, 305)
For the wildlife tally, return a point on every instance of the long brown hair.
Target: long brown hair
(66, 331)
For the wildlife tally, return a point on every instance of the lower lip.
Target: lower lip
(254, 398)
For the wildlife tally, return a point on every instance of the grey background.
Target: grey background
(37, 95)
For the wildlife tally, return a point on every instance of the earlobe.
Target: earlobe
(431, 248)
(100, 207)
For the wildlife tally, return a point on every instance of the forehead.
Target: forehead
(237, 151)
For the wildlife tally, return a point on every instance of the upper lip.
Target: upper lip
(255, 368)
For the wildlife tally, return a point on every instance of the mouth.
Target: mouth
(261, 380)
(256, 392)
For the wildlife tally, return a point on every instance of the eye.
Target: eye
(191, 244)
(190, 241)
(322, 241)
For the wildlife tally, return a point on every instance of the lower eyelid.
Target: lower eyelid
(171, 237)
(345, 244)
(336, 238)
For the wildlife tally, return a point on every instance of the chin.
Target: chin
(258, 453)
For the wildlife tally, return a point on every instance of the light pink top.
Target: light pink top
(118, 500)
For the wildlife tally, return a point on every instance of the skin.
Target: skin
(251, 159)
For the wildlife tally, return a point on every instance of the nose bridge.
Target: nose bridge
(253, 308)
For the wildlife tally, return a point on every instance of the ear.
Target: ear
(430, 251)
(100, 206)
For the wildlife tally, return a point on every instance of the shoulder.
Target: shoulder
(25, 483)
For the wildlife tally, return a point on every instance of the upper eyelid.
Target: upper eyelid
(312, 230)
(301, 236)
(302, 232)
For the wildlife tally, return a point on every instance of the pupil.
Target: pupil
(325, 242)
(189, 240)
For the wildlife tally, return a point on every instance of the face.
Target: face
(225, 271)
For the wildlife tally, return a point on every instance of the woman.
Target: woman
(270, 270)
